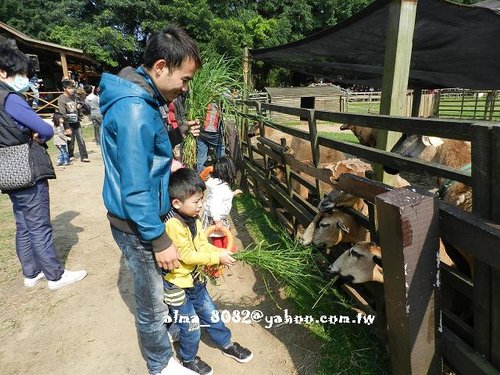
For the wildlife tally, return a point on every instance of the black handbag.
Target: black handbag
(16, 169)
(16, 163)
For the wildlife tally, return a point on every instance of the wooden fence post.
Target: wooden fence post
(495, 274)
(408, 228)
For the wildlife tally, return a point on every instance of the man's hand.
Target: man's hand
(168, 259)
(194, 127)
(226, 259)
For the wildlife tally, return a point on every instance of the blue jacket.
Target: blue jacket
(137, 154)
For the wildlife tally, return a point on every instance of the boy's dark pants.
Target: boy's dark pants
(199, 309)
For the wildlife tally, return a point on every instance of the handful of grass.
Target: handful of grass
(189, 151)
(212, 82)
(287, 262)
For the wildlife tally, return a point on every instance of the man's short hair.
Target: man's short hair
(173, 45)
(13, 61)
(184, 183)
(88, 89)
(68, 83)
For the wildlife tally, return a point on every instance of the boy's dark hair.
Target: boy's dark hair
(225, 170)
(184, 183)
(56, 117)
(88, 89)
(68, 83)
(13, 61)
(173, 45)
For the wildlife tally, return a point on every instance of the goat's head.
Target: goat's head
(360, 264)
(415, 146)
(331, 229)
(337, 198)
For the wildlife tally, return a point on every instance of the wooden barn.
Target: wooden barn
(52, 61)
(326, 97)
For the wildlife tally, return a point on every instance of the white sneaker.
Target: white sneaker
(175, 368)
(31, 282)
(68, 277)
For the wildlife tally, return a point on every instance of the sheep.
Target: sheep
(299, 148)
(330, 229)
(366, 136)
(338, 198)
(451, 153)
(360, 264)
(363, 263)
(353, 166)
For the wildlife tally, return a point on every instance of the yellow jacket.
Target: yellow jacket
(193, 252)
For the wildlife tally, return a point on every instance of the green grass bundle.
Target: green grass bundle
(287, 262)
(213, 82)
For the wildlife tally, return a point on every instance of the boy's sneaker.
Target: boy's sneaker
(238, 353)
(31, 282)
(175, 368)
(198, 366)
(67, 278)
(86, 160)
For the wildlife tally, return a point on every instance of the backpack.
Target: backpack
(213, 119)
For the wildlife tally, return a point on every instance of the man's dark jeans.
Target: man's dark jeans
(150, 310)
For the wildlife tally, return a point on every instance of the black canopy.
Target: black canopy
(453, 46)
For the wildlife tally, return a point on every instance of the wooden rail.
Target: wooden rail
(468, 347)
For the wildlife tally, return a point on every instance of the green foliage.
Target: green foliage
(114, 32)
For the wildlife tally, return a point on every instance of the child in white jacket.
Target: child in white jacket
(219, 199)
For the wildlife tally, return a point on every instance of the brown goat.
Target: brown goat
(366, 136)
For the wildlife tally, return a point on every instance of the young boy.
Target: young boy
(185, 288)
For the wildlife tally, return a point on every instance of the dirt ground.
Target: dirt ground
(88, 328)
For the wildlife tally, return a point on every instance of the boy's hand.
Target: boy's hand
(226, 259)
(237, 192)
(168, 259)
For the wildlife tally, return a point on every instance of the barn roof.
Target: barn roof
(453, 46)
(40, 44)
(298, 92)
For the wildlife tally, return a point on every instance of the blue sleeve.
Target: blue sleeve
(136, 143)
(20, 111)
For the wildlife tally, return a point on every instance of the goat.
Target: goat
(360, 264)
(451, 153)
(363, 263)
(330, 229)
(366, 136)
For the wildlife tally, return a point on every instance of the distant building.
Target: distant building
(52, 61)
(326, 97)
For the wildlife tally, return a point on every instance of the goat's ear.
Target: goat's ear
(432, 141)
(342, 226)
(377, 260)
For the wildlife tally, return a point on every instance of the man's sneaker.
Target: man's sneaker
(31, 282)
(175, 368)
(86, 160)
(68, 277)
(238, 353)
(198, 366)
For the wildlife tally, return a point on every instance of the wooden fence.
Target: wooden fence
(418, 337)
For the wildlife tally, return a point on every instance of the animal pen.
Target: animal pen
(406, 223)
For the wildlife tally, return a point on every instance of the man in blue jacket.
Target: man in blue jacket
(137, 153)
